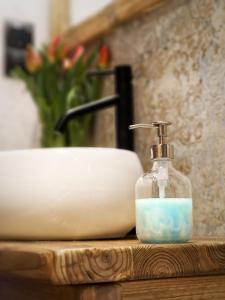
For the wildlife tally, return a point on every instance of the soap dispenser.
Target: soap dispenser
(163, 196)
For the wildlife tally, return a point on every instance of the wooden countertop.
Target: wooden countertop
(76, 262)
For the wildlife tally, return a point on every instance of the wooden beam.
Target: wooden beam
(116, 13)
(59, 16)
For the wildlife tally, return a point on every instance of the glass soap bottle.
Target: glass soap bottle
(163, 196)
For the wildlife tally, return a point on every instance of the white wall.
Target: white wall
(82, 9)
(18, 115)
(19, 127)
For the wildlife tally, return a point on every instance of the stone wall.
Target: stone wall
(178, 57)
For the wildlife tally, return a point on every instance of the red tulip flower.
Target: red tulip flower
(77, 53)
(33, 60)
(63, 53)
(104, 57)
(53, 48)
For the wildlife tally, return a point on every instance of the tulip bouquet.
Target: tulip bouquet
(57, 80)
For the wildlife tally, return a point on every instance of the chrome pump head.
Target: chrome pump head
(162, 149)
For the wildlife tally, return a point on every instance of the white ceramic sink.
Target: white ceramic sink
(67, 193)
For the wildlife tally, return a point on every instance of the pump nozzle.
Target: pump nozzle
(161, 150)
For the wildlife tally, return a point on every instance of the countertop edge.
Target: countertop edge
(68, 263)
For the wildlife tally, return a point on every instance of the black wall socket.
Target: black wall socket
(17, 37)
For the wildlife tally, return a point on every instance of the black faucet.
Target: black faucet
(122, 100)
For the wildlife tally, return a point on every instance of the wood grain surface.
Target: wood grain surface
(186, 288)
(118, 12)
(65, 263)
(26, 289)
(190, 288)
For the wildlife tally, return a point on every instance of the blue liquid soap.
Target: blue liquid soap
(164, 220)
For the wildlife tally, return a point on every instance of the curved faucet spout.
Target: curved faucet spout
(84, 109)
(122, 101)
